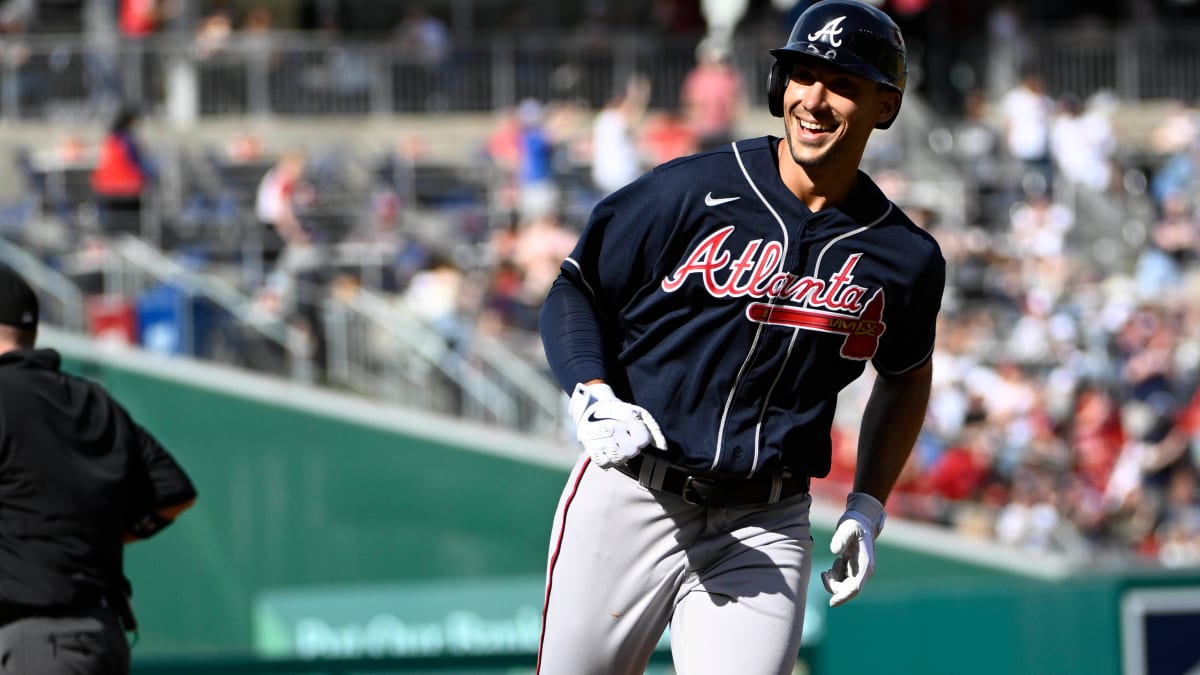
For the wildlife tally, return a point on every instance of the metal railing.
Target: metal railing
(129, 268)
(379, 347)
(373, 347)
(296, 74)
(1134, 63)
(291, 74)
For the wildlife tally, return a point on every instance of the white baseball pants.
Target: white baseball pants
(626, 562)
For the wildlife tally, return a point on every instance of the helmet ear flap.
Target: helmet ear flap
(777, 82)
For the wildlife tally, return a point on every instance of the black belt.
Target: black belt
(10, 612)
(707, 491)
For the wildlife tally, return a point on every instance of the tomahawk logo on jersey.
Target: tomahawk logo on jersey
(862, 332)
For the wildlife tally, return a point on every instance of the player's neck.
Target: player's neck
(819, 186)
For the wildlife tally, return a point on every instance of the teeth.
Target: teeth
(813, 126)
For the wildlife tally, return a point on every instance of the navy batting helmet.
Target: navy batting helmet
(849, 34)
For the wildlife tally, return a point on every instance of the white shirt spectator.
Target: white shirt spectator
(614, 154)
(1039, 227)
(616, 159)
(1027, 113)
(1082, 144)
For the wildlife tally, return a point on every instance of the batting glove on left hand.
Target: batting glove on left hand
(611, 431)
(853, 547)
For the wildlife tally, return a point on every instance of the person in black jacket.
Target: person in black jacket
(78, 479)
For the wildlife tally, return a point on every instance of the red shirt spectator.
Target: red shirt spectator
(117, 172)
(963, 470)
(121, 171)
(1097, 437)
(138, 18)
(957, 474)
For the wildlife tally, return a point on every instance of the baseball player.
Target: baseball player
(703, 326)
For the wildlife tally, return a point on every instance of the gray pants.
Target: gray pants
(91, 644)
(625, 562)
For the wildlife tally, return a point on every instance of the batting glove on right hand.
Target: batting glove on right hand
(853, 547)
(611, 431)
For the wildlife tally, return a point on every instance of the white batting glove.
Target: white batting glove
(853, 547)
(611, 431)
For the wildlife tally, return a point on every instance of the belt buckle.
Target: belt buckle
(683, 492)
(708, 502)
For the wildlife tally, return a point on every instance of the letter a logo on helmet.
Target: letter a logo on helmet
(829, 32)
(847, 34)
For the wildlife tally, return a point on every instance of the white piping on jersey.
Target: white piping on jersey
(581, 277)
(922, 360)
(795, 331)
(851, 233)
(762, 414)
(737, 154)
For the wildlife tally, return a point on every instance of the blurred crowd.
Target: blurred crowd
(1065, 416)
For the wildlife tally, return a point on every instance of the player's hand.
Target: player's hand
(611, 431)
(853, 547)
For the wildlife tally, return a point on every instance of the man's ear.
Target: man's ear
(889, 103)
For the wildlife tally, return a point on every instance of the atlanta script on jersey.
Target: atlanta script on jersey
(733, 296)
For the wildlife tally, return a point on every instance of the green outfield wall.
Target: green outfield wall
(336, 528)
(303, 488)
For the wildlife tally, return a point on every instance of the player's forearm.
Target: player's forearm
(571, 336)
(890, 425)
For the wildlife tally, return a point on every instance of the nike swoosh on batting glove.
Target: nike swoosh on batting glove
(610, 430)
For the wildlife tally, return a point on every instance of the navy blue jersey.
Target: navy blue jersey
(708, 294)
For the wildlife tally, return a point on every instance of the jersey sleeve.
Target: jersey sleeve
(169, 484)
(909, 338)
(156, 481)
(612, 263)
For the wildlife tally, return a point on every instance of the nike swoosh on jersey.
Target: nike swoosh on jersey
(710, 200)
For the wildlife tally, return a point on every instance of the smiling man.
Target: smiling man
(703, 326)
